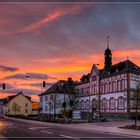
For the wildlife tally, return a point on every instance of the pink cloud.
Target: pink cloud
(51, 17)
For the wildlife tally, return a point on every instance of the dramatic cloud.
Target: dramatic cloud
(31, 76)
(38, 84)
(25, 91)
(64, 39)
(52, 16)
(8, 69)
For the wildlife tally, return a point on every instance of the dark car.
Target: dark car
(1, 116)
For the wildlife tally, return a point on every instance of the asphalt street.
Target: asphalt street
(18, 129)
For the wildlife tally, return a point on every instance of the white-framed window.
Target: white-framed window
(112, 103)
(46, 98)
(104, 103)
(82, 104)
(46, 108)
(107, 87)
(114, 85)
(103, 88)
(121, 103)
(122, 84)
(118, 85)
(110, 87)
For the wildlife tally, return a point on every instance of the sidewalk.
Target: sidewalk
(109, 127)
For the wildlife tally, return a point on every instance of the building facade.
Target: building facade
(19, 105)
(35, 108)
(3, 107)
(107, 91)
(57, 98)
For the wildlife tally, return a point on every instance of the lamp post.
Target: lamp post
(99, 94)
(42, 85)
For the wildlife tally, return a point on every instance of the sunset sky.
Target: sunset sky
(53, 41)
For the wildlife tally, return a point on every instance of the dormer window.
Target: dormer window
(94, 78)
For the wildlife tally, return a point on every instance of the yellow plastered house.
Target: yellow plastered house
(19, 105)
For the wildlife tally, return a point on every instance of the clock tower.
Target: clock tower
(108, 56)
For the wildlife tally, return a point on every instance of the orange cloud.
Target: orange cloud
(121, 55)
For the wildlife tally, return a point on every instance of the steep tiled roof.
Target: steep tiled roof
(122, 66)
(9, 98)
(114, 69)
(62, 86)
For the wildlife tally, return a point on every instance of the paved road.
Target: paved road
(17, 129)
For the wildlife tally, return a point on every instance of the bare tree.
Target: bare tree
(135, 102)
(16, 108)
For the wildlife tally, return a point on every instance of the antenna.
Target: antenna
(107, 39)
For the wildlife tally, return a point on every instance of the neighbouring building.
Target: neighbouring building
(35, 108)
(57, 98)
(107, 91)
(3, 107)
(19, 104)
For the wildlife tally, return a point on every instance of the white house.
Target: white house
(58, 97)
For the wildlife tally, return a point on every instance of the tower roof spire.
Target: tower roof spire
(107, 39)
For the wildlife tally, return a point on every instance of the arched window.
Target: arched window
(122, 84)
(118, 86)
(112, 103)
(82, 104)
(121, 103)
(104, 103)
(87, 104)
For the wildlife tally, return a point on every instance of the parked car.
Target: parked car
(1, 116)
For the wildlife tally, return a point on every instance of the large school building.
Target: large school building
(108, 91)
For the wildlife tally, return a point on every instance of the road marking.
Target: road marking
(65, 136)
(32, 129)
(47, 132)
(35, 128)
(10, 124)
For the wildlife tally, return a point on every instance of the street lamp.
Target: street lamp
(99, 94)
(43, 84)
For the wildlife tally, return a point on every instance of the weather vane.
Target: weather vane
(108, 41)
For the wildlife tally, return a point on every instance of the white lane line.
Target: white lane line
(10, 124)
(65, 136)
(47, 132)
(35, 128)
